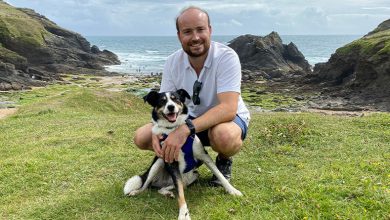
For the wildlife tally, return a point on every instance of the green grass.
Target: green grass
(376, 44)
(68, 151)
(13, 27)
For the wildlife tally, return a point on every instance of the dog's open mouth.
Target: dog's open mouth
(171, 117)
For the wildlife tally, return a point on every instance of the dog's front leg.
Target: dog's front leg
(173, 170)
(225, 183)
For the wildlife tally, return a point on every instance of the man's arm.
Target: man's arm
(223, 112)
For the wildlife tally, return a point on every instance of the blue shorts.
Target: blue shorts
(204, 135)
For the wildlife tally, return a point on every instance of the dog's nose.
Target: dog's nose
(171, 108)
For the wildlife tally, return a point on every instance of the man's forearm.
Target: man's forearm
(216, 115)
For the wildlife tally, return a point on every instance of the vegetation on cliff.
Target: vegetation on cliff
(360, 70)
(375, 45)
(17, 27)
(33, 50)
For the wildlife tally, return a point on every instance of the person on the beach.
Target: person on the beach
(211, 72)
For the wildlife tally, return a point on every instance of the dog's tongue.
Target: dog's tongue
(171, 117)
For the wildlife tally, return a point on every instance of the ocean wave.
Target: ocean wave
(152, 51)
(314, 60)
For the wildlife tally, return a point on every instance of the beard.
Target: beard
(205, 45)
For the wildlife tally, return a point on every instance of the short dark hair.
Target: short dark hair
(188, 8)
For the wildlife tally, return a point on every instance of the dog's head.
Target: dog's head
(168, 106)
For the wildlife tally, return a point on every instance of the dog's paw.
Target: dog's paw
(187, 217)
(184, 213)
(166, 193)
(235, 192)
(134, 193)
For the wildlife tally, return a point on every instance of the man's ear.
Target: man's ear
(151, 98)
(183, 95)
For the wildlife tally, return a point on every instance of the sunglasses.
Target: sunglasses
(195, 94)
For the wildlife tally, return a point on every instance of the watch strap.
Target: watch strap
(190, 126)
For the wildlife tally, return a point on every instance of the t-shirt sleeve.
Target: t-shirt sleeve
(167, 83)
(229, 73)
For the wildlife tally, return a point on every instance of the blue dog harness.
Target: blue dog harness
(191, 163)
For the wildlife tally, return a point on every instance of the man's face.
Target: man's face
(194, 33)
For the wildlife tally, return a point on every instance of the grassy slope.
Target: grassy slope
(375, 45)
(13, 27)
(68, 152)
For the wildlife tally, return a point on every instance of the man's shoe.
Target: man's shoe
(225, 166)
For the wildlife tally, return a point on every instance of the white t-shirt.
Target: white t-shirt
(221, 73)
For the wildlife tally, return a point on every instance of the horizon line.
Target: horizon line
(222, 35)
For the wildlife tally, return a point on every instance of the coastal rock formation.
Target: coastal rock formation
(269, 57)
(360, 68)
(34, 50)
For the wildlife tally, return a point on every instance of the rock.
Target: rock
(95, 49)
(360, 68)
(299, 98)
(269, 57)
(38, 48)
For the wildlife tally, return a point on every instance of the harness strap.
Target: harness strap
(187, 149)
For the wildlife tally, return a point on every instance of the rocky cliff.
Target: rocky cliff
(269, 57)
(362, 66)
(34, 50)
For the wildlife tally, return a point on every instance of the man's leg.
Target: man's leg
(225, 138)
(143, 137)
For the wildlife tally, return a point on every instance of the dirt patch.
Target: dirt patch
(117, 80)
(342, 113)
(5, 112)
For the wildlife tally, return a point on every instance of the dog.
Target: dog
(169, 112)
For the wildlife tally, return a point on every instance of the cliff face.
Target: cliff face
(362, 65)
(33, 50)
(269, 56)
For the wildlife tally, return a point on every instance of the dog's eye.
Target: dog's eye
(173, 98)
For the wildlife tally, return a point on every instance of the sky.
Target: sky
(230, 17)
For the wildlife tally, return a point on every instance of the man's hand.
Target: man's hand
(172, 145)
(156, 145)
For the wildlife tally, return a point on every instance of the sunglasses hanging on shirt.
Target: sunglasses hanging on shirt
(196, 89)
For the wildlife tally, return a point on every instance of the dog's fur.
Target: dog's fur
(169, 112)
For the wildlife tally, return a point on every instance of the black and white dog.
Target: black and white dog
(169, 112)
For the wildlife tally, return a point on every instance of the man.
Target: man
(211, 72)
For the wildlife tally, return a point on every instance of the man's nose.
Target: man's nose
(195, 36)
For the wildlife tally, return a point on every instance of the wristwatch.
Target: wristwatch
(191, 126)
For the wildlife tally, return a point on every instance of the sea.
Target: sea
(146, 55)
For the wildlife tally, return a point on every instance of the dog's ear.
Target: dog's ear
(183, 95)
(151, 98)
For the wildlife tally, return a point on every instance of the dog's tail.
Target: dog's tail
(134, 183)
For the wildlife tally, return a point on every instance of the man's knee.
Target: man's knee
(143, 137)
(223, 137)
(138, 141)
(226, 139)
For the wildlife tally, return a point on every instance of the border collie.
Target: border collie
(169, 112)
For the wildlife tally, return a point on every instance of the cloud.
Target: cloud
(235, 22)
(156, 17)
(377, 8)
